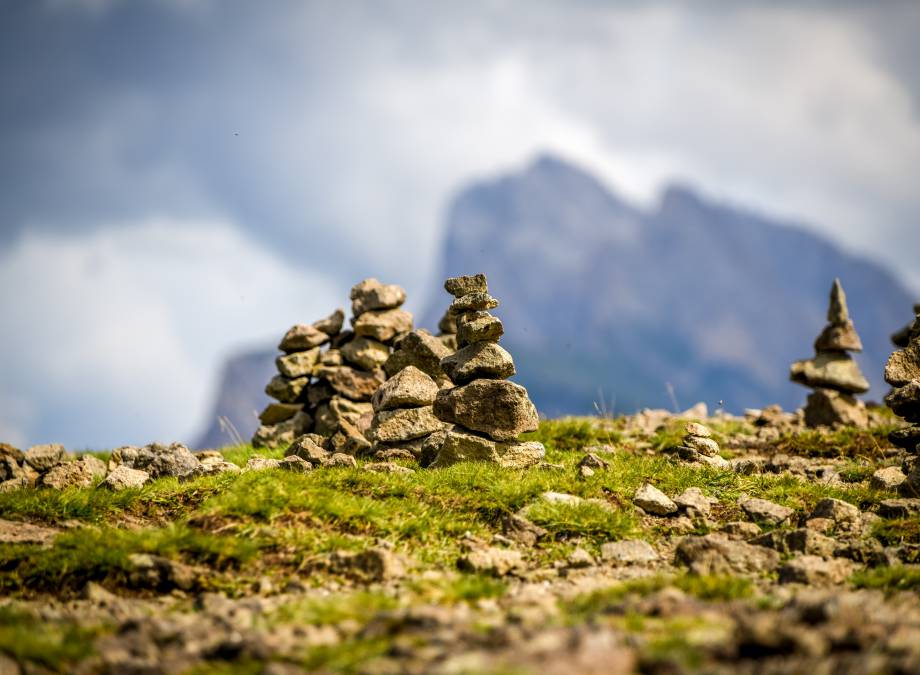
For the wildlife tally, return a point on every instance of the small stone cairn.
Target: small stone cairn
(329, 392)
(700, 447)
(487, 412)
(832, 373)
(902, 372)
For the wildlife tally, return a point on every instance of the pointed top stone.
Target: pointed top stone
(460, 286)
(837, 313)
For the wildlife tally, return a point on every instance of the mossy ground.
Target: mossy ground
(273, 525)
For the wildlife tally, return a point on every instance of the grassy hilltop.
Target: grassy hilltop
(473, 568)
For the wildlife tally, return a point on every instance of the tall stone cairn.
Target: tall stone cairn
(487, 412)
(328, 392)
(832, 373)
(902, 372)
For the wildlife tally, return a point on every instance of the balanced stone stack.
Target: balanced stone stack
(487, 412)
(902, 372)
(832, 373)
(447, 330)
(700, 447)
(403, 416)
(329, 392)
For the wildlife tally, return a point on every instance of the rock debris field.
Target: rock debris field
(403, 509)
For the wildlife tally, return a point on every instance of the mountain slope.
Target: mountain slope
(598, 296)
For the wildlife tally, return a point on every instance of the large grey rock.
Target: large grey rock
(156, 459)
(498, 408)
(302, 337)
(815, 570)
(652, 500)
(123, 477)
(478, 327)
(694, 502)
(478, 301)
(628, 551)
(410, 387)
(357, 385)
(373, 564)
(310, 447)
(907, 438)
(332, 324)
(258, 463)
(94, 465)
(43, 457)
(459, 445)
(764, 511)
(348, 440)
(905, 401)
(478, 360)
(421, 349)
(383, 324)
(365, 353)
(716, 554)
(68, 475)
(702, 444)
(833, 370)
(284, 389)
(888, 478)
(837, 510)
(826, 407)
(298, 364)
(404, 424)
(492, 560)
(279, 412)
(464, 285)
(370, 294)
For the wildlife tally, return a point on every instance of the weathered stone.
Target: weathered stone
(521, 530)
(579, 559)
(94, 465)
(302, 337)
(156, 459)
(907, 438)
(372, 564)
(716, 554)
(262, 463)
(473, 302)
(448, 324)
(593, 461)
(652, 500)
(159, 573)
(211, 466)
(899, 508)
(697, 429)
(123, 477)
(357, 385)
(694, 502)
(763, 511)
(345, 409)
(348, 440)
(383, 324)
(832, 370)
(826, 407)
(703, 445)
(464, 285)
(332, 324)
(341, 459)
(839, 511)
(475, 327)
(497, 562)
(285, 389)
(295, 464)
(366, 353)
(459, 445)
(390, 454)
(404, 424)
(740, 529)
(905, 401)
(498, 408)
(279, 412)
(318, 392)
(309, 447)
(410, 387)
(888, 478)
(282, 434)
(387, 467)
(478, 360)
(628, 551)
(840, 337)
(68, 475)
(333, 357)
(11, 452)
(810, 542)
(43, 457)
(298, 364)
(370, 294)
(421, 349)
(814, 570)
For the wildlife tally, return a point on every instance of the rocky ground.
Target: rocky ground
(788, 550)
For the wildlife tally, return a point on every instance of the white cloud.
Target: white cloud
(118, 336)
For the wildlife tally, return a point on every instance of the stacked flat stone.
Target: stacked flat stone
(404, 418)
(902, 372)
(832, 373)
(487, 412)
(329, 392)
(699, 446)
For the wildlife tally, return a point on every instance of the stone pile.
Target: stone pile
(487, 412)
(328, 375)
(832, 373)
(699, 446)
(902, 372)
(901, 338)
(403, 415)
(447, 330)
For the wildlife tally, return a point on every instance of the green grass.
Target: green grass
(844, 442)
(900, 578)
(51, 644)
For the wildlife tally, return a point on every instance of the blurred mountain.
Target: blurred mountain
(606, 305)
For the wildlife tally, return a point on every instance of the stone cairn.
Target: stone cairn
(832, 373)
(329, 392)
(487, 412)
(700, 447)
(902, 372)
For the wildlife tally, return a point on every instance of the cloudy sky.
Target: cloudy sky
(180, 179)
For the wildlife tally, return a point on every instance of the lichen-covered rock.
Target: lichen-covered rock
(903, 365)
(498, 408)
(404, 424)
(370, 294)
(475, 327)
(302, 337)
(285, 389)
(478, 360)
(478, 301)
(459, 445)
(888, 478)
(156, 459)
(357, 385)
(43, 457)
(410, 387)
(384, 324)
(365, 353)
(67, 475)
(123, 477)
(464, 285)
(298, 364)
(421, 349)
(332, 324)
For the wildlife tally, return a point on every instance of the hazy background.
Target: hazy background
(180, 179)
